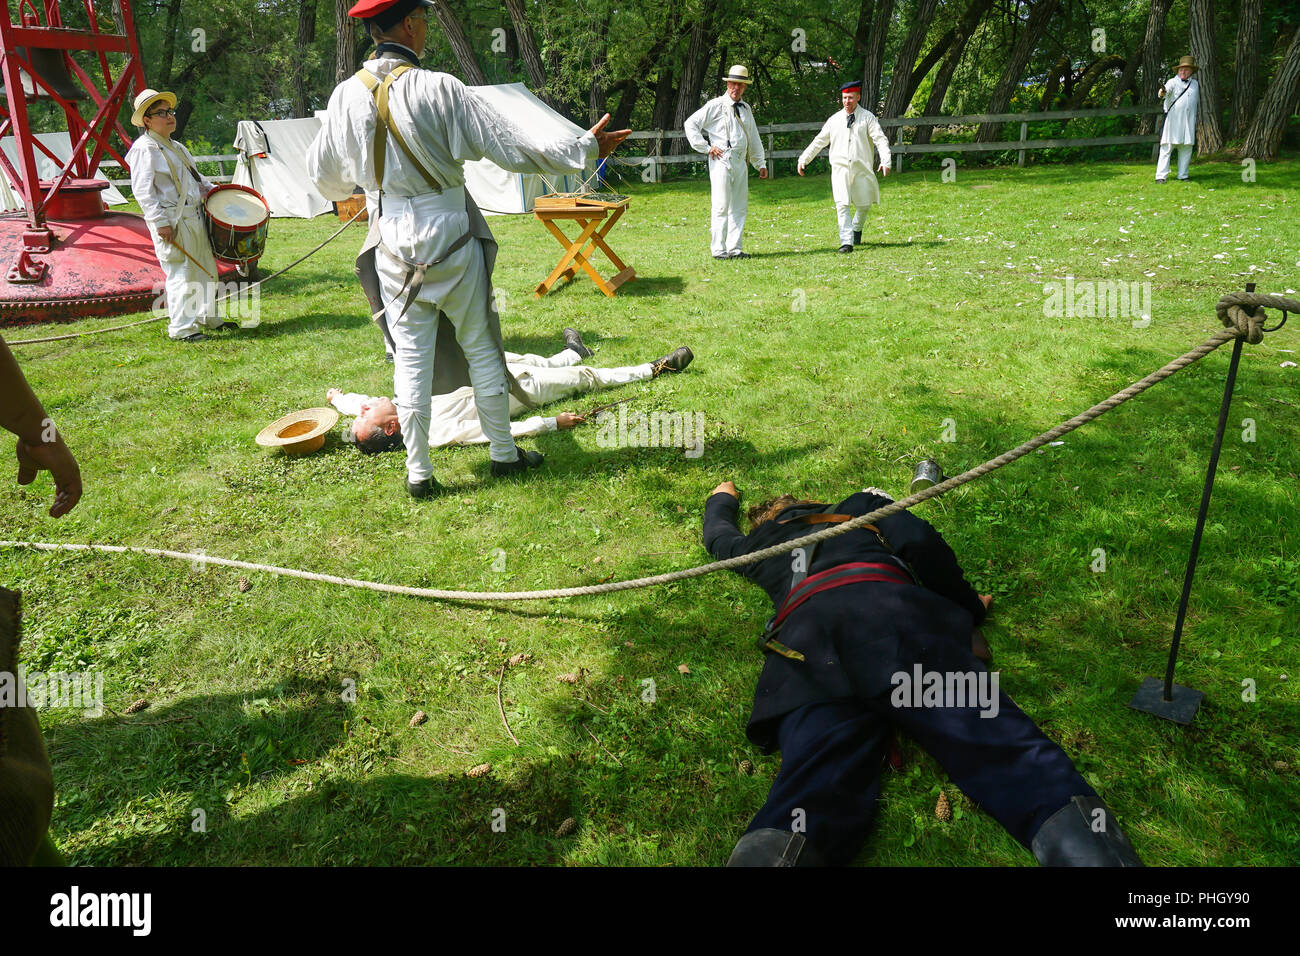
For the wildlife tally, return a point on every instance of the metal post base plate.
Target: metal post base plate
(1151, 699)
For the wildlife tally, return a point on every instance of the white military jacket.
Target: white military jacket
(161, 181)
(853, 162)
(715, 124)
(1180, 121)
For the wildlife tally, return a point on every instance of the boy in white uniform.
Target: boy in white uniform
(850, 134)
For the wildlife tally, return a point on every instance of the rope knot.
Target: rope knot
(1244, 312)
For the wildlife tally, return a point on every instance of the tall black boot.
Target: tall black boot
(773, 848)
(1084, 832)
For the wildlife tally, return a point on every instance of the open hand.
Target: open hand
(801, 169)
(607, 141)
(715, 152)
(569, 420)
(55, 458)
(884, 170)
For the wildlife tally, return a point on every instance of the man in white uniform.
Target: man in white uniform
(427, 263)
(850, 134)
(1180, 95)
(724, 128)
(167, 184)
(455, 421)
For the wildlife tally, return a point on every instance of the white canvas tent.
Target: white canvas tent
(281, 176)
(61, 145)
(272, 158)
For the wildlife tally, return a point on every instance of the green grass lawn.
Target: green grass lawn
(816, 373)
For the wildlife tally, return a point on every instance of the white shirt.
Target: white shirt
(1180, 122)
(160, 181)
(853, 163)
(453, 418)
(716, 124)
(446, 124)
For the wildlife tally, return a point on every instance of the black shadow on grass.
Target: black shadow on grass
(313, 322)
(203, 746)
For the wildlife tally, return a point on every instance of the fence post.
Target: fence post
(898, 141)
(771, 161)
(659, 151)
(1024, 135)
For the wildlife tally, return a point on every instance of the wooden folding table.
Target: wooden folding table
(588, 212)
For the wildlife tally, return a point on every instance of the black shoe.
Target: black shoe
(526, 460)
(193, 337)
(1084, 832)
(857, 237)
(228, 326)
(773, 848)
(722, 257)
(846, 248)
(674, 361)
(428, 488)
(1160, 181)
(572, 340)
(740, 255)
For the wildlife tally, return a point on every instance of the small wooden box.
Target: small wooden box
(347, 208)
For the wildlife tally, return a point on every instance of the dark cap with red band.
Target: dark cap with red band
(854, 85)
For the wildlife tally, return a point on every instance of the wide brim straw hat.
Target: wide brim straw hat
(299, 433)
(146, 99)
(738, 74)
(1188, 61)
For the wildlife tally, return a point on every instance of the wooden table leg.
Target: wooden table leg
(574, 249)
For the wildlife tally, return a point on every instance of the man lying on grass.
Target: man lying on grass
(874, 634)
(453, 418)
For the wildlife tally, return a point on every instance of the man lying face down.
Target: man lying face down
(874, 634)
(453, 418)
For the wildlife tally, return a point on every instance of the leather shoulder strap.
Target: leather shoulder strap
(380, 92)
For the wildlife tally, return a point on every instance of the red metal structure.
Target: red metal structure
(65, 256)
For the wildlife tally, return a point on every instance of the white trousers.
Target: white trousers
(458, 287)
(851, 220)
(730, 180)
(190, 292)
(548, 380)
(1184, 160)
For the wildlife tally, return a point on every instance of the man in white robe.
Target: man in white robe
(724, 128)
(1180, 95)
(455, 421)
(850, 134)
(167, 184)
(427, 263)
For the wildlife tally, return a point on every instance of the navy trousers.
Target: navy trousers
(833, 753)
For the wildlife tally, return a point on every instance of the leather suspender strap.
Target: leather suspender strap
(379, 90)
(854, 573)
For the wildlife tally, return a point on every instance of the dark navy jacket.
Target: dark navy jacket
(856, 636)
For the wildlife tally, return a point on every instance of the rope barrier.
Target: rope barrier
(1243, 324)
(159, 318)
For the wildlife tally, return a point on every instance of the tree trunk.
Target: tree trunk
(163, 77)
(1053, 86)
(900, 84)
(929, 60)
(874, 60)
(1152, 69)
(1090, 76)
(1264, 135)
(661, 116)
(345, 44)
(698, 55)
(970, 21)
(1129, 76)
(455, 33)
(1245, 90)
(527, 46)
(1209, 116)
(306, 37)
(1039, 17)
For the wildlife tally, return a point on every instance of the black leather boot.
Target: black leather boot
(572, 340)
(773, 848)
(428, 488)
(1084, 832)
(526, 460)
(674, 361)
(857, 237)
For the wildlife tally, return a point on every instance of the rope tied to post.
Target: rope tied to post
(1244, 311)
